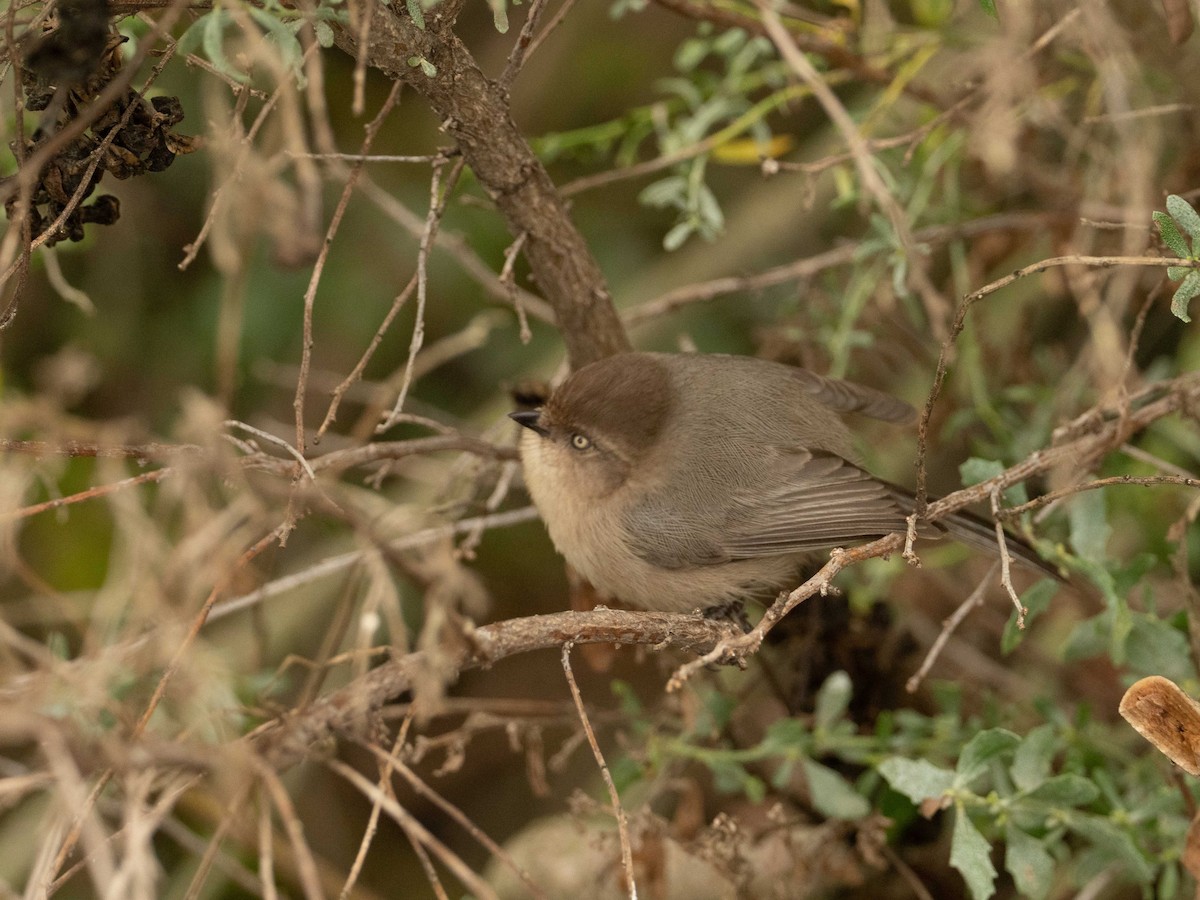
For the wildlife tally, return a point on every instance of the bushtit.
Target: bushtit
(678, 481)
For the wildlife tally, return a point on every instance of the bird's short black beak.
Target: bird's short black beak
(531, 419)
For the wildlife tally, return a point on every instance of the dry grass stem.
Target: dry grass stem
(613, 797)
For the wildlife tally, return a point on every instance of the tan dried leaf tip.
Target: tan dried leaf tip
(1167, 717)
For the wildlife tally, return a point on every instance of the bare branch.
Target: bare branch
(284, 742)
(475, 114)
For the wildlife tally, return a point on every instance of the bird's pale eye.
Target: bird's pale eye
(580, 442)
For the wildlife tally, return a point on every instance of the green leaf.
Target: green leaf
(833, 699)
(931, 13)
(709, 209)
(427, 67)
(416, 13)
(1065, 790)
(283, 36)
(915, 778)
(1036, 600)
(989, 7)
(1118, 844)
(1089, 525)
(692, 52)
(190, 39)
(676, 236)
(1187, 217)
(58, 645)
(1156, 647)
(980, 750)
(1184, 294)
(1031, 867)
(213, 43)
(324, 34)
(1122, 627)
(627, 698)
(1031, 763)
(975, 470)
(626, 772)
(784, 736)
(714, 714)
(729, 41)
(1170, 235)
(1168, 882)
(499, 15)
(971, 854)
(670, 191)
(730, 777)
(832, 796)
(1089, 638)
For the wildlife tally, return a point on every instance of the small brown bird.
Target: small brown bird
(683, 481)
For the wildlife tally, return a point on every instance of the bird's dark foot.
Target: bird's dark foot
(730, 611)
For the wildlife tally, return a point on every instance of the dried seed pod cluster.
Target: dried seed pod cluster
(66, 69)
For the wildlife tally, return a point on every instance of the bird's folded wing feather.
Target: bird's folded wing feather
(848, 397)
(819, 503)
(812, 501)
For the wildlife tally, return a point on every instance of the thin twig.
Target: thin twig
(310, 294)
(1103, 262)
(1013, 512)
(289, 739)
(462, 252)
(276, 441)
(508, 279)
(735, 128)
(959, 323)
(868, 174)
(366, 12)
(412, 825)
(520, 50)
(160, 688)
(192, 250)
(464, 821)
(833, 49)
(306, 863)
(614, 797)
(387, 764)
(906, 872)
(66, 290)
(356, 373)
(266, 848)
(810, 266)
(332, 565)
(1157, 462)
(949, 625)
(437, 208)
(1006, 561)
(102, 490)
(362, 157)
(140, 452)
(554, 22)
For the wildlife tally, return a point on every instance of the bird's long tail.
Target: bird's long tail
(977, 532)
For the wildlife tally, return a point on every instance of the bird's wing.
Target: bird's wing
(807, 501)
(848, 397)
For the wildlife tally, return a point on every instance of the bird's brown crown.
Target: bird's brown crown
(622, 399)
